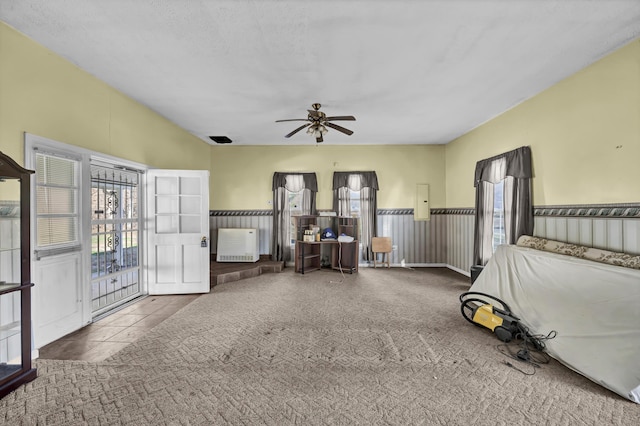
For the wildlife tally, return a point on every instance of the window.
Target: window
(294, 194)
(351, 199)
(499, 232)
(354, 194)
(295, 209)
(57, 216)
(504, 209)
(354, 202)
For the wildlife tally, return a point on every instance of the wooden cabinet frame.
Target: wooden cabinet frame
(14, 375)
(344, 255)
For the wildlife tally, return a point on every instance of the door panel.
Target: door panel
(178, 220)
(192, 259)
(165, 259)
(58, 301)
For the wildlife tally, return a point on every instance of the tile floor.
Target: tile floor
(105, 337)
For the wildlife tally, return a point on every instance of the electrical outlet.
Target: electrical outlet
(394, 247)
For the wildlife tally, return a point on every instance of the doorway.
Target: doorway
(88, 232)
(115, 237)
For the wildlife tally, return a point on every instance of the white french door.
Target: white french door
(178, 256)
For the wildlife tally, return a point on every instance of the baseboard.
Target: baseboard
(419, 265)
(460, 271)
(413, 265)
(428, 265)
(435, 265)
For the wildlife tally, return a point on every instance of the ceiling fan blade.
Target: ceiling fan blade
(338, 128)
(292, 119)
(297, 130)
(319, 139)
(342, 117)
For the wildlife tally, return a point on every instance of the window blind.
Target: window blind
(56, 201)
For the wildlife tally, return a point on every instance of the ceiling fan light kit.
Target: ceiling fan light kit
(318, 123)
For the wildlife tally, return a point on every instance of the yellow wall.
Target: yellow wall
(43, 94)
(584, 134)
(241, 176)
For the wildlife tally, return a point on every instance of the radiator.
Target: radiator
(237, 245)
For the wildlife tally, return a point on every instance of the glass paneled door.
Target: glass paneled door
(115, 232)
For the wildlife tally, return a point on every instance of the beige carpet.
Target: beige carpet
(381, 347)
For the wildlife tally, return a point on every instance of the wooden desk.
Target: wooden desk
(343, 255)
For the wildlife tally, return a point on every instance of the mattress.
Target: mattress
(594, 308)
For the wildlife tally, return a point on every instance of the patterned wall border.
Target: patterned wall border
(578, 210)
(240, 213)
(395, 211)
(270, 212)
(590, 210)
(461, 211)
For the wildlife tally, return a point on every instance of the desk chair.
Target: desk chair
(381, 245)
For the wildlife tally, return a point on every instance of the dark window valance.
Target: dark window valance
(355, 181)
(305, 181)
(517, 163)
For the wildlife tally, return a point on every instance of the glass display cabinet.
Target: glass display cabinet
(15, 277)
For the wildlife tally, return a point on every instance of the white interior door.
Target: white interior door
(178, 231)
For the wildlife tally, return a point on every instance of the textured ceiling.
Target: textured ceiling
(411, 72)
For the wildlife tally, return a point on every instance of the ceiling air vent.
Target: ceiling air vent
(220, 139)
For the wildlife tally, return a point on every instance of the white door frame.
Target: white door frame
(33, 142)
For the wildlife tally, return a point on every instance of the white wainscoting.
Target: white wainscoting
(459, 248)
(600, 230)
(615, 234)
(447, 239)
(418, 243)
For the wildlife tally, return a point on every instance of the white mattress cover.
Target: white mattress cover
(594, 307)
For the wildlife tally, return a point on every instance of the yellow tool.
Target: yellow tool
(478, 311)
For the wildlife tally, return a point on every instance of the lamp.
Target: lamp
(317, 130)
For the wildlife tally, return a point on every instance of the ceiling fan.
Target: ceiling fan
(318, 123)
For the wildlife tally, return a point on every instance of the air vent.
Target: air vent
(220, 139)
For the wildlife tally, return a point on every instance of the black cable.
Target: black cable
(530, 349)
(504, 305)
(521, 355)
(537, 340)
(508, 364)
